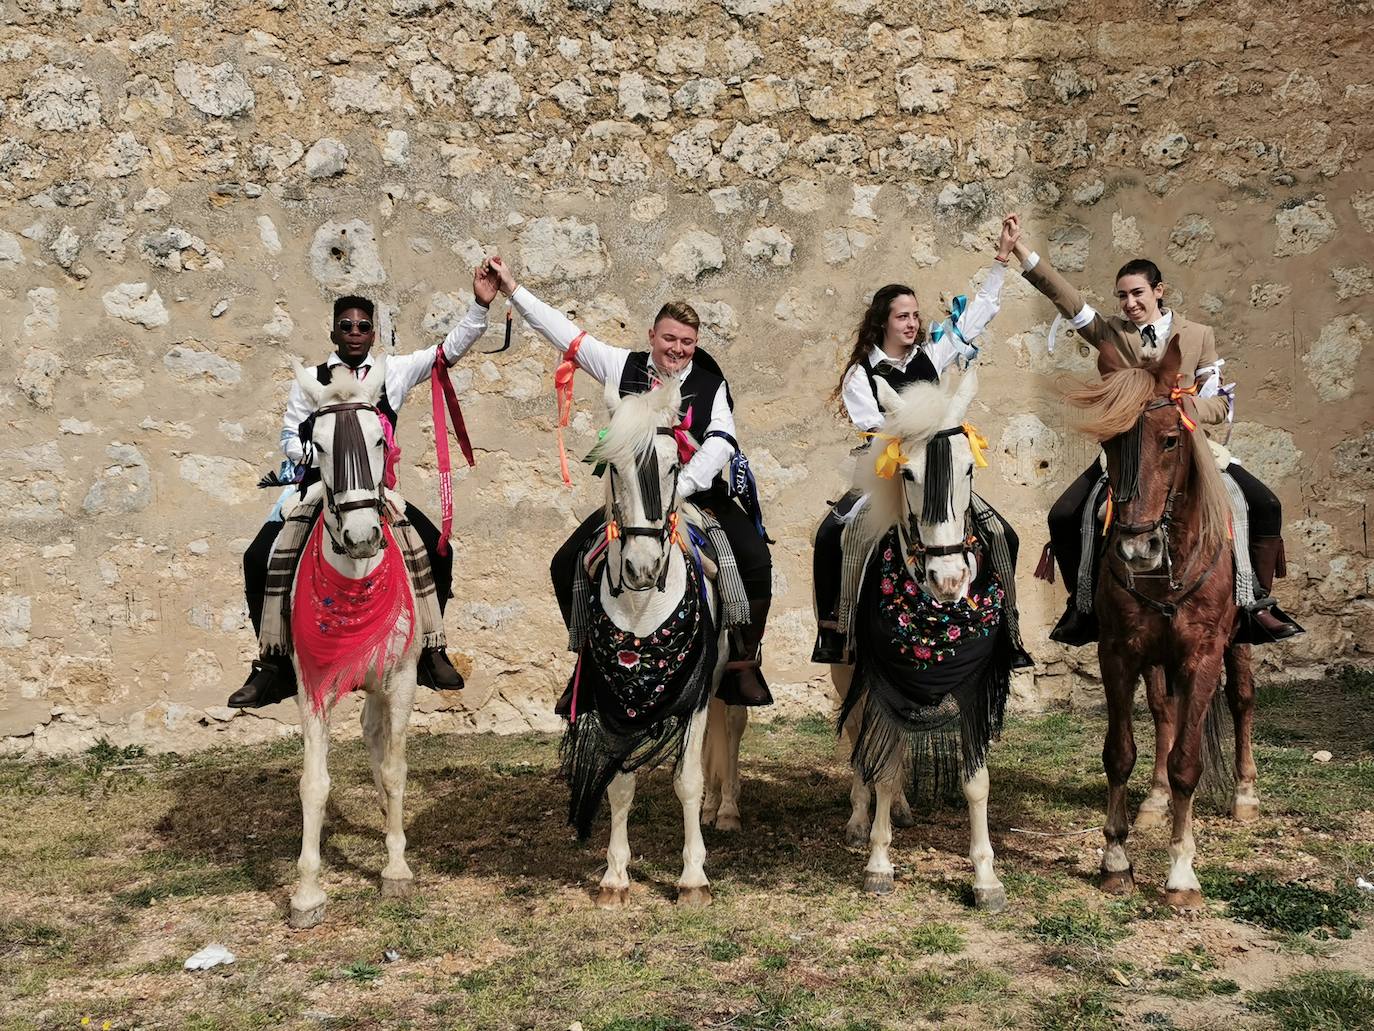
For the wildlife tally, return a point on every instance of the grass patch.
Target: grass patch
(1320, 1000)
(1082, 1008)
(934, 938)
(1290, 908)
(1076, 927)
(723, 950)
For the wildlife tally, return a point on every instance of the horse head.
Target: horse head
(348, 445)
(924, 448)
(1158, 461)
(643, 462)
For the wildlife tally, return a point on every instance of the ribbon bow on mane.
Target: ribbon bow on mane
(1176, 395)
(892, 457)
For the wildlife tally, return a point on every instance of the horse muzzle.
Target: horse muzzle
(1143, 552)
(947, 581)
(362, 542)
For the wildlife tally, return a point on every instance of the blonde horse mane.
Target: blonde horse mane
(634, 422)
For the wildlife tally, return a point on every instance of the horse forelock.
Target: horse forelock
(921, 416)
(634, 423)
(1108, 407)
(343, 389)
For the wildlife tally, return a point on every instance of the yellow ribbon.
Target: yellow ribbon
(890, 458)
(976, 443)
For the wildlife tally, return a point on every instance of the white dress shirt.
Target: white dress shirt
(403, 373)
(954, 344)
(605, 363)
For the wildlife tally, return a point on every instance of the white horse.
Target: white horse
(937, 556)
(348, 439)
(646, 582)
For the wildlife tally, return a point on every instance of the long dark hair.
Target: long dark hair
(873, 326)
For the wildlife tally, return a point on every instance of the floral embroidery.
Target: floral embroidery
(925, 631)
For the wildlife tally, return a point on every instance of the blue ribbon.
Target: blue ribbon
(951, 325)
(696, 538)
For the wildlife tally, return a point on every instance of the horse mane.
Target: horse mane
(342, 390)
(920, 418)
(1110, 406)
(633, 424)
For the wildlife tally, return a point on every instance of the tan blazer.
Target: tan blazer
(1198, 342)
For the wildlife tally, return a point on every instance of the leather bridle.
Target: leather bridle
(665, 533)
(336, 508)
(917, 551)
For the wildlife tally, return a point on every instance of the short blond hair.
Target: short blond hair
(679, 311)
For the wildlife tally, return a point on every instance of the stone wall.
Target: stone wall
(184, 187)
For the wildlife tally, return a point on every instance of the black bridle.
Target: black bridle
(650, 491)
(352, 466)
(1164, 521)
(936, 509)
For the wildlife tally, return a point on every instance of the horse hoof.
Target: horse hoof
(1245, 812)
(727, 823)
(304, 919)
(902, 818)
(1118, 882)
(1150, 819)
(398, 887)
(878, 883)
(855, 837)
(694, 898)
(990, 900)
(708, 817)
(612, 898)
(1183, 900)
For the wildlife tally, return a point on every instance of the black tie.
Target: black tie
(1148, 335)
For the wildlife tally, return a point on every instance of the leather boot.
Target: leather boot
(832, 646)
(437, 672)
(273, 679)
(1262, 621)
(743, 683)
(1074, 627)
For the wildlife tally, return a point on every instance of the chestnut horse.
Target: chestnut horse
(1165, 603)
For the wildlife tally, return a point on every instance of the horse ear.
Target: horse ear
(305, 379)
(611, 393)
(963, 397)
(1170, 363)
(376, 380)
(888, 399)
(1110, 359)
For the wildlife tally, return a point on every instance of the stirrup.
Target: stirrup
(1251, 630)
(832, 646)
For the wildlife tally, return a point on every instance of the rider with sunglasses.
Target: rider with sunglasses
(353, 332)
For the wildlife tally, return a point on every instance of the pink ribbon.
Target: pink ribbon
(393, 452)
(686, 446)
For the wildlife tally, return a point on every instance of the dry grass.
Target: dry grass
(120, 865)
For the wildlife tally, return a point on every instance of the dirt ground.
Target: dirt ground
(119, 866)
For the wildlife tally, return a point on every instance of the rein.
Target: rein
(935, 508)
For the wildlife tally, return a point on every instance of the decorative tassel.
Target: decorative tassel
(1128, 482)
(1044, 569)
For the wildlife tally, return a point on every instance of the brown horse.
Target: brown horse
(1165, 605)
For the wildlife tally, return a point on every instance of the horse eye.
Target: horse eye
(1171, 442)
(908, 475)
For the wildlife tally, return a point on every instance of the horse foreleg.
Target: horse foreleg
(615, 883)
(856, 831)
(307, 903)
(1198, 678)
(397, 879)
(988, 892)
(693, 889)
(1155, 808)
(878, 875)
(1118, 759)
(736, 718)
(373, 721)
(1240, 696)
(713, 760)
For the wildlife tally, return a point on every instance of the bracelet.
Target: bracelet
(1001, 260)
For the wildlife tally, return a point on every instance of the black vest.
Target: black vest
(325, 374)
(699, 389)
(919, 370)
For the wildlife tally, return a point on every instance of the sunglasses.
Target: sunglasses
(347, 325)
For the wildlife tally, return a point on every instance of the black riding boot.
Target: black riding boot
(272, 679)
(436, 671)
(832, 645)
(1074, 627)
(1262, 621)
(743, 683)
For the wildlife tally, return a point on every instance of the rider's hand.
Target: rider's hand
(1009, 238)
(485, 284)
(505, 280)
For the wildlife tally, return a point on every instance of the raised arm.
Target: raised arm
(600, 360)
(956, 341)
(1045, 278)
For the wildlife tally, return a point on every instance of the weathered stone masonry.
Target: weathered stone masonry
(184, 187)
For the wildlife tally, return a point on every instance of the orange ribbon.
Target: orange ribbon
(563, 392)
(1107, 518)
(1176, 395)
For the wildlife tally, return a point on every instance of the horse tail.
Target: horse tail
(1217, 786)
